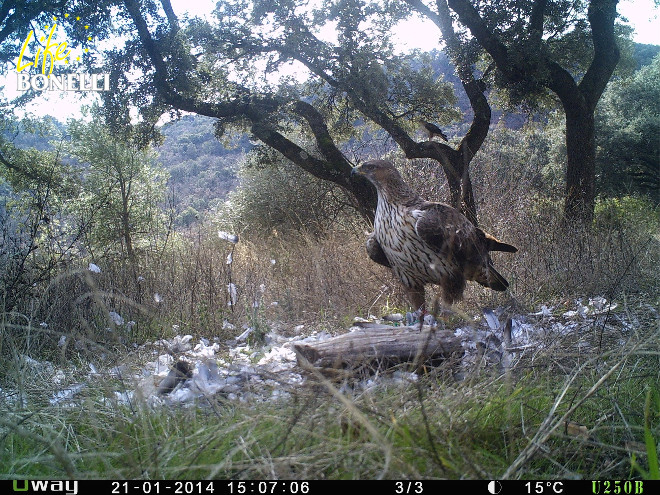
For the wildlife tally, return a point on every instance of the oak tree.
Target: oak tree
(563, 47)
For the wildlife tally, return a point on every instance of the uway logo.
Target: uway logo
(51, 52)
(65, 487)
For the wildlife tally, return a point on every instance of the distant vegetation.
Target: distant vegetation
(202, 168)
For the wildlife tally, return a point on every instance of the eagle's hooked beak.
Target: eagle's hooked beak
(356, 171)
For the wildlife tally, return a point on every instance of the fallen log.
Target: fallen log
(379, 347)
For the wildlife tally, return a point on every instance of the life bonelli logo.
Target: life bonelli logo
(42, 51)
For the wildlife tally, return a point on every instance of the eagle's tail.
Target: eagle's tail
(489, 277)
(493, 244)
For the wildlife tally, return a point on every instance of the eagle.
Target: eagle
(425, 242)
(433, 130)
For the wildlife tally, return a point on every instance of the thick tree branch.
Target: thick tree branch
(169, 13)
(324, 141)
(338, 173)
(601, 14)
(361, 99)
(535, 29)
(253, 108)
(257, 109)
(473, 87)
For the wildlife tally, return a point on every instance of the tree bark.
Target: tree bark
(580, 195)
(380, 347)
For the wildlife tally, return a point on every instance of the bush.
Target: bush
(275, 194)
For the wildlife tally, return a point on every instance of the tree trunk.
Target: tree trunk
(581, 164)
(457, 171)
(579, 100)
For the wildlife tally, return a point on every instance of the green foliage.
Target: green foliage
(628, 124)
(644, 54)
(651, 436)
(276, 195)
(187, 217)
(202, 169)
(37, 193)
(123, 188)
(617, 213)
(526, 156)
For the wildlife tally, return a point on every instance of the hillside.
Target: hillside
(202, 170)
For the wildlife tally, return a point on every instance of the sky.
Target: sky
(411, 34)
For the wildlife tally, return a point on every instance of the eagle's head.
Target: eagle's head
(386, 178)
(378, 172)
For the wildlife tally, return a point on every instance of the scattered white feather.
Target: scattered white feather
(491, 319)
(266, 372)
(231, 289)
(116, 318)
(244, 335)
(226, 236)
(94, 268)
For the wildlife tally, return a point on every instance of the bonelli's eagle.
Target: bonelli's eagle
(425, 242)
(433, 130)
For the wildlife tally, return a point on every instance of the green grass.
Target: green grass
(434, 428)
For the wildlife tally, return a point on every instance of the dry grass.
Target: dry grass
(575, 406)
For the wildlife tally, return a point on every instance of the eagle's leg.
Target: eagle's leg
(416, 298)
(418, 301)
(453, 286)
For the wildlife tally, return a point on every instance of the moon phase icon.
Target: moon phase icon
(494, 487)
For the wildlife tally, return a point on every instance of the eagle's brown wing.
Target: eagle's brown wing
(448, 233)
(444, 228)
(464, 246)
(375, 251)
